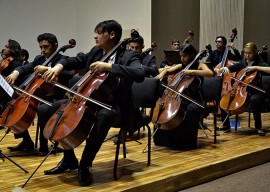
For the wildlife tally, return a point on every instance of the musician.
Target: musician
(185, 136)
(148, 61)
(253, 62)
(11, 49)
(48, 44)
(24, 56)
(216, 57)
(124, 64)
(175, 45)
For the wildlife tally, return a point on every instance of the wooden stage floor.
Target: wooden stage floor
(170, 170)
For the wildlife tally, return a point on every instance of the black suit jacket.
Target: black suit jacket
(129, 69)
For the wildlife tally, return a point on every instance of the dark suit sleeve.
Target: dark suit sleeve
(129, 68)
(81, 61)
(234, 57)
(29, 67)
(149, 65)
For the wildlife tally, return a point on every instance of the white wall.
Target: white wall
(24, 20)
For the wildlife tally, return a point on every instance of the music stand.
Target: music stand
(172, 56)
(2, 155)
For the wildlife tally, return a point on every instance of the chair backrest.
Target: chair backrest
(212, 88)
(146, 93)
(266, 85)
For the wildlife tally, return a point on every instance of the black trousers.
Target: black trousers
(105, 119)
(183, 136)
(257, 102)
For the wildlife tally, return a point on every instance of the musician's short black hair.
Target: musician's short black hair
(51, 38)
(224, 40)
(109, 26)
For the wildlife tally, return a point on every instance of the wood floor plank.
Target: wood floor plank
(170, 170)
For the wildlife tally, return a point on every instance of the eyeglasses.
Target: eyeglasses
(219, 41)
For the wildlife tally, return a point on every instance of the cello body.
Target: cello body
(70, 125)
(170, 109)
(21, 112)
(236, 101)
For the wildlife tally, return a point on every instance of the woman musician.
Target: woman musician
(11, 60)
(185, 136)
(252, 62)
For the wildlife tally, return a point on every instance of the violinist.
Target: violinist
(175, 45)
(11, 50)
(252, 62)
(124, 64)
(48, 44)
(148, 61)
(185, 135)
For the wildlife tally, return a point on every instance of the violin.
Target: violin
(20, 112)
(69, 126)
(170, 109)
(5, 63)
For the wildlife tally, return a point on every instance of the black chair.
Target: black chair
(212, 93)
(266, 87)
(145, 96)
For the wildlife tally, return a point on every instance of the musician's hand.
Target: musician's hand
(252, 68)
(224, 70)
(40, 69)
(12, 77)
(99, 67)
(161, 75)
(53, 73)
(187, 72)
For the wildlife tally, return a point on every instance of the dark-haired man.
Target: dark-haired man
(48, 44)
(123, 64)
(148, 61)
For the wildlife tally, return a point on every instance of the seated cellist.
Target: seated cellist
(185, 136)
(124, 64)
(253, 62)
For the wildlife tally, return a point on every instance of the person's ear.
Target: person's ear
(112, 35)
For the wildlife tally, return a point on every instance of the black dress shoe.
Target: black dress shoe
(23, 146)
(62, 167)
(84, 176)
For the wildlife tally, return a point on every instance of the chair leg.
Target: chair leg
(215, 128)
(236, 122)
(149, 145)
(37, 133)
(117, 155)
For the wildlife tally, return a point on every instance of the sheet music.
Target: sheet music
(8, 89)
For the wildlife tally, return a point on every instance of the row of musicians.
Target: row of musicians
(126, 65)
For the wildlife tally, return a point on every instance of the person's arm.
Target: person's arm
(168, 70)
(259, 68)
(202, 71)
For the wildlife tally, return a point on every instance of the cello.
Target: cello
(69, 126)
(226, 83)
(170, 108)
(236, 101)
(5, 63)
(20, 112)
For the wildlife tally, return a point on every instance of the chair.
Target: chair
(212, 93)
(145, 95)
(266, 87)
